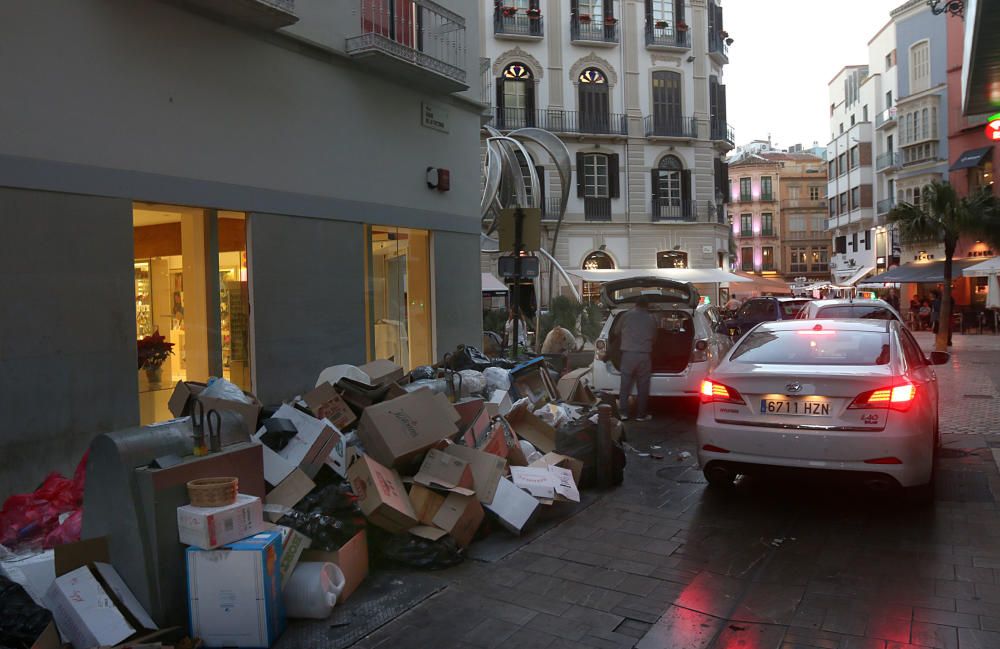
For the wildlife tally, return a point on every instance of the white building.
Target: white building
(635, 91)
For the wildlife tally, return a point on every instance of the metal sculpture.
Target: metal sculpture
(505, 186)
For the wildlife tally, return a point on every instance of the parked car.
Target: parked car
(839, 395)
(849, 308)
(691, 338)
(763, 309)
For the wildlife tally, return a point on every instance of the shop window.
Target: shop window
(767, 258)
(191, 279)
(671, 259)
(746, 259)
(399, 296)
(597, 260)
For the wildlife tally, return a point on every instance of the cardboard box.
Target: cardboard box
(532, 380)
(234, 593)
(35, 572)
(311, 448)
(487, 469)
(499, 403)
(548, 483)
(574, 390)
(48, 639)
(501, 440)
(555, 459)
(351, 558)
(457, 515)
(512, 507)
(382, 371)
(293, 544)
(287, 494)
(324, 402)
(381, 495)
(211, 527)
(445, 472)
(180, 404)
(532, 428)
(396, 432)
(90, 603)
(426, 503)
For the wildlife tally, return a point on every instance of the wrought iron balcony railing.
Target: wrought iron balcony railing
(673, 209)
(561, 121)
(887, 116)
(518, 24)
(671, 126)
(667, 37)
(888, 160)
(583, 27)
(717, 47)
(721, 131)
(597, 209)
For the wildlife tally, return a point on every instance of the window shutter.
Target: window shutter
(609, 8)
(614, 186)
(579, 174)
(649, 14)
(724, 181)
(686, 185)
(654, 176)
(678, 12)
(713, 96)
(722, 103)
(529, 102)
(499, 121)
(573, 8)
(540, 171)
(718, 19)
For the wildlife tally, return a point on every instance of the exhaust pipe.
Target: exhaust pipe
(720, 474)
(879, 485)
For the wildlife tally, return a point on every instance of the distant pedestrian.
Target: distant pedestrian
(935, 310)
(638, 335)
(893, 298)
(522, 332)
(732, 304)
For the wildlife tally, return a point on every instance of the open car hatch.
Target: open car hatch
(623, 292)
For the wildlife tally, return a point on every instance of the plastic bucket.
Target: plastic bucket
(313, 589)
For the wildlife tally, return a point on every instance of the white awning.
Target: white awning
(853, 279)
(492, 285)
(693, 275)
(984, 269)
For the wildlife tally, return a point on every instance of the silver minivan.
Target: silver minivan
(691, 338)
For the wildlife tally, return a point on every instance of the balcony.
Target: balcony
(745, 198)
(886, 118)
(684, 127)
(520, 26)
(673, 209)
(264, 14)
(716, 213)
(550, 208)
(888, 160)
(804, 236)
(598, 31)
(767, 198)
(768, 234)
(417, 40)
(920, 153)
(667, 38)
(803, 204)
(718, 48)
(884, 206)
(561, 121)
(597, 209)
(723, 132)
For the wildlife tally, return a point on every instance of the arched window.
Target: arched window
(595, 105)
(672, 190)
(597, 260)
(515, 97)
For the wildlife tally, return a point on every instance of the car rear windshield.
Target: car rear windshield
(791, 309)
(809, 347)
(652, 293)
(865, 311)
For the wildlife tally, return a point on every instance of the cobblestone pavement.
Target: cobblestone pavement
(662, 562)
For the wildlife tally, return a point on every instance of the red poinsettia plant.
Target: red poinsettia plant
(509, 11)
(153, 350)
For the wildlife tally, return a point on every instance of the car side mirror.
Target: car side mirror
(939, 358)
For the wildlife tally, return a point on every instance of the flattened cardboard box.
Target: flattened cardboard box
(447, 472)
(351, 558)
(574, 391)
(395, 432)
(381, 495)
(457, 515)
(564, 461)
(513, 507)
(326, 403)
(497, 442)
(551, 483)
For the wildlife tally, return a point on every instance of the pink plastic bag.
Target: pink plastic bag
(33, 519)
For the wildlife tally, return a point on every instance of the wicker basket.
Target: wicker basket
(213, 492)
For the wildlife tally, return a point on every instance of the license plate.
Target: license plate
(792, 407)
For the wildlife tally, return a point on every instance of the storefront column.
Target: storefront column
(202, 345)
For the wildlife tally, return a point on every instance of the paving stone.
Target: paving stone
(946, 617)
(934, 635)
(955, 589)
(768, 603)
(741, 634)
(891, 629)
(595, 619)
(680, 627)
(559, 626)
(530, 639)
(490, 633)
(637, 585)
(973, 639)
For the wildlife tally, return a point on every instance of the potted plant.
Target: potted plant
(509, 11)
(152, 352)
(534, 13)
(682, 26)
(585, 18)
(660, 24)
(724, 34)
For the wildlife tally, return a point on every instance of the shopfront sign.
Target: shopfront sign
(434, 116)
(993, 128)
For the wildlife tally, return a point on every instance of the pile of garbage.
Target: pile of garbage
(285, 506)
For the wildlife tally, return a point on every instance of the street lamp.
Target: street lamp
(954, 7)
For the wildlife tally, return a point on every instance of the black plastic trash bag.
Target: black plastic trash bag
(329, 516)
(417, 552)
(21, 620)
(423, 373)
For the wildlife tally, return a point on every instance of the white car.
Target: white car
(848, 308)
(847, 395)
(690, 340)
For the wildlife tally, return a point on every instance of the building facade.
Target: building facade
(214, 172)
(777, 209)
(635, 90)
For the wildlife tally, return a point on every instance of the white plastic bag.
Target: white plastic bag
(473, 382)
(313, 589)
(219, 388)
(497, 378)
(530, 452)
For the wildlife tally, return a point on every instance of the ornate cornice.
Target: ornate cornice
(593, 61)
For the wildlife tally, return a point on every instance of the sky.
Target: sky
(784, 54)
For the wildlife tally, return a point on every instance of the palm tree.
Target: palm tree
(942, 216)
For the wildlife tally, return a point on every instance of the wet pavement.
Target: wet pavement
(777, 562)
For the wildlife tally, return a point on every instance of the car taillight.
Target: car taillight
(897, 397)
(602, 349)
(713, 392)
(700, 352)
